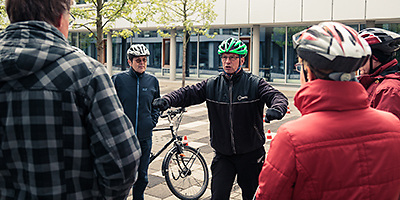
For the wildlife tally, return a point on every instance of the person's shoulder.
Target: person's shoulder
(121, 73)
(215, 77)
(388, 86)
(150, 75)
(78, 57)
(252, 77)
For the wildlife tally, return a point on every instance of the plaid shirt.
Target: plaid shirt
(63, 133)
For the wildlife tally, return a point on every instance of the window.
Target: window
(147, 34)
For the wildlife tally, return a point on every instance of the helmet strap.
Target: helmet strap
(240, 65)
(371, 68)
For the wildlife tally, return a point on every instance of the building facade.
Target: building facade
(266, 26)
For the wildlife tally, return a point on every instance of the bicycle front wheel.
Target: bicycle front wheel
(186, 174)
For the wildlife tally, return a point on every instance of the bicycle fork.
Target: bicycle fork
(184, 163)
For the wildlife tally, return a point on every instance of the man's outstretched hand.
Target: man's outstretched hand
(161, 104)
(272, 114)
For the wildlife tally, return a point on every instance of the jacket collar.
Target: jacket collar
(384, 68)
(234, 76)
(386, 71)
(134, 73)
(325, 95)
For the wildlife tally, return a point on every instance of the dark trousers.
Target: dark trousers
(142, 180)
(247, 167)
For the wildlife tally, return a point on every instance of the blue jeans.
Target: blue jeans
(142, 181)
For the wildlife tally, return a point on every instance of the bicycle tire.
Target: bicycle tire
(186, 184)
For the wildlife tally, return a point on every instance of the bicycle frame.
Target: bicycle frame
(177, 165)
(174, 138)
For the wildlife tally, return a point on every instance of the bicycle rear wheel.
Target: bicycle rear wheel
(186, 175)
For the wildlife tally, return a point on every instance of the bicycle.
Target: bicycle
(184, 168)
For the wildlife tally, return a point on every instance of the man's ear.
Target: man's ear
(129, 62)
(242, 60)
(59, 21)
(310, 74)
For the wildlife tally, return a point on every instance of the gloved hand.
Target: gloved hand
(272, 114)
(161, 104)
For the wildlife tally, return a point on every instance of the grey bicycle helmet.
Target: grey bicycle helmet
(232, 45)
(137, 50)
(332, 46)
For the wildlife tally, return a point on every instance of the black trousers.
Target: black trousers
(224, 169)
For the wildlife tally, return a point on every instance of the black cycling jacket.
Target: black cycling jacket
(235, 109)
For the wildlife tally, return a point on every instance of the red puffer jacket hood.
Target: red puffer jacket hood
(339, 148)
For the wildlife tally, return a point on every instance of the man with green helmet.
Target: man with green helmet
(235, 101)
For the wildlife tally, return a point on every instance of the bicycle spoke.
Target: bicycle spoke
(188, 175)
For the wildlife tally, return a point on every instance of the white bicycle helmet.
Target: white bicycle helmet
(383, 43)
(137, 50)
(332, 46)
(381, 39)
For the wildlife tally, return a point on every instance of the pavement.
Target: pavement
(195, 125)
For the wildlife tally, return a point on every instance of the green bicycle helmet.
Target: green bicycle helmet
(232, 45)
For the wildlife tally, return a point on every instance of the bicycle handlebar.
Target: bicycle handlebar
(173, 113)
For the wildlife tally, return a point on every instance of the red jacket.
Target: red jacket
(339, 149)
(384, 88)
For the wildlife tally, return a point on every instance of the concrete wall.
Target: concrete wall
(245, 13)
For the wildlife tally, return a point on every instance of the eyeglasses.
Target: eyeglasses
(298, 67)
(71, 20)
(140, 60)
(231, 58)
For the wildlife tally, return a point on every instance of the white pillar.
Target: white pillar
(172, 59)
(286, 53)
(256, 50)
(109, 54)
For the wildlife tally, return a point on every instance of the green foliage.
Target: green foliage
(99, 18)
(103, 14)
(4, 22)
(192, 16)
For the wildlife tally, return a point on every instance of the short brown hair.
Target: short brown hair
(41, 10)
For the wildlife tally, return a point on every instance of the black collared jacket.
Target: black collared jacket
(235, 109)
(136, 93)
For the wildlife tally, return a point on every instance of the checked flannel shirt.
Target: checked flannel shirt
(63, 132)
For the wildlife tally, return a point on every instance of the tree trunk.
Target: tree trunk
(100, 47)
(184, 46)
(187, 73)
(99, 32)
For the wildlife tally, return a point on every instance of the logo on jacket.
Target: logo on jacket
(242, 98)
(144, 89)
